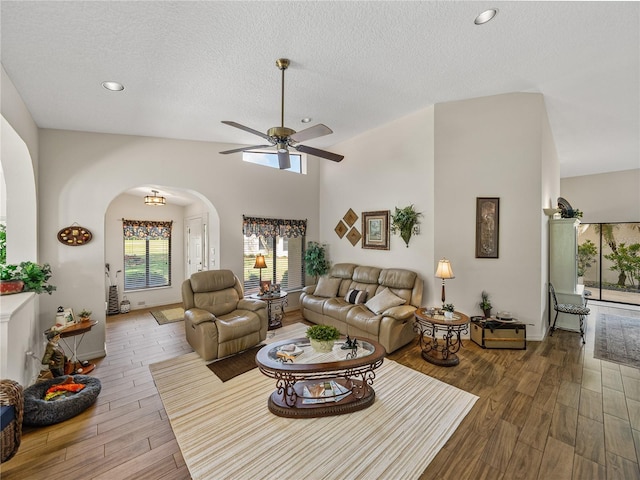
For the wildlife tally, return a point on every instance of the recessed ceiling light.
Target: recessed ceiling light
(485, 16)
(306, 120)
(113, 86)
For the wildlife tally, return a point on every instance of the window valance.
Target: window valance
(146, 229)
(273, 227)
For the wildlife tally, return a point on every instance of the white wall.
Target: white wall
(85, 172)
(391, 166)
(493, 147)
(604, 198)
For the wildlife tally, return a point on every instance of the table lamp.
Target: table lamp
(260, 264)
(444, 271)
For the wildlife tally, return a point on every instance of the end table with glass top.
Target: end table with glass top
(275, 306)
(441, 352)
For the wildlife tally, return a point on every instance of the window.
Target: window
(147, 254)
(609, 261)
(282, 244)
(268, 159)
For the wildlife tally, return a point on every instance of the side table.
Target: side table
(441, 353)
(78, 329)
(275, 307)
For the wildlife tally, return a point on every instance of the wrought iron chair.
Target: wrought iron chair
(570, 308)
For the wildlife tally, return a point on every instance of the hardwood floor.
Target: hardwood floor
(551, 411)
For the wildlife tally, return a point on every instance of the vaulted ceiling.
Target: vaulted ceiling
(355, 66)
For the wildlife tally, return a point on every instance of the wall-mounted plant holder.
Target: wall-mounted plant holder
(403, 221)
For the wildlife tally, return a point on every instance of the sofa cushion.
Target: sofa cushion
(337, 308)
(397, 278)
(327, 287)
(342, 270)
(384, 300)
(218, 302)
(356, 296)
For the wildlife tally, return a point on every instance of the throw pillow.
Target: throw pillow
(384, 300)
(356, 296)
(327, 287)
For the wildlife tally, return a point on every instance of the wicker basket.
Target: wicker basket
(11, 394)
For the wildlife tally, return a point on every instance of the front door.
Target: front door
(195, 246)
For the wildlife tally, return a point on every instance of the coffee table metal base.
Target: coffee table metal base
(278, 406)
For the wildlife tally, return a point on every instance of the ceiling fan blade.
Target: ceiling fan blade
(247, 129)
(244, 149)
(283, 159)
(311, 132)
(319, 153)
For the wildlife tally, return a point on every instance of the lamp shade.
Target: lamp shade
(444, 269)
(260, 263)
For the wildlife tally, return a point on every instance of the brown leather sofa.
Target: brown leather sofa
(389, 323)
(218, 320)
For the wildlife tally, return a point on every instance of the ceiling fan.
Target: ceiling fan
(282, 137)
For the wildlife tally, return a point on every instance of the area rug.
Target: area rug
(170, 315)
(617, 339)
(234, 365)
(225, 430)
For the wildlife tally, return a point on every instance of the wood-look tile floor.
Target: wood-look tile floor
(551, 411)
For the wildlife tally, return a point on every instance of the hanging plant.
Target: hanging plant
(404, 220)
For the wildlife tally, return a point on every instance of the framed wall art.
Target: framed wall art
(350, 217)
(487, 227)
(375, 226)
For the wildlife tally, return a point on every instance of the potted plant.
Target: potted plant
(10, 282)
(315, 260)
(34, 277)
(85, 315)
(485, 304)
(404, 220)
(322, 337)
(448, 310)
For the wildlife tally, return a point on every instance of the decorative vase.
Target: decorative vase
(322, 345)
(487, 313)
(8, 287)
(448, 315)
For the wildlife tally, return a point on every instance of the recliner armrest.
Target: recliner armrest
(401, 312)
(309, 289)
(251, 305)
(198, 316)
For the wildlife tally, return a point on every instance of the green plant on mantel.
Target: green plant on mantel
(315, 260)
(404, 220)
(34, 276)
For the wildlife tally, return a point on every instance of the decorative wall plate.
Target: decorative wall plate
(341, 229)
(74, 235)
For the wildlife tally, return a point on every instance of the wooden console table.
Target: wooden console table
(440, 352)
(78, 329)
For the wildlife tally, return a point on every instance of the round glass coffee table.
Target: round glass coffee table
(318, 384)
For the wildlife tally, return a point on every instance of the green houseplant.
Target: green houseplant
(315, 260)
(485, 304)
(404, 220)
(322, 337)
(34, 277)
(85, 315)
(448, 310)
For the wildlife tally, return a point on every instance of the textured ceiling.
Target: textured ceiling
(355, 66)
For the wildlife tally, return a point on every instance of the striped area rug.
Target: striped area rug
(225, 430)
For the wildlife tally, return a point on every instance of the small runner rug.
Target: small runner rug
(170, 315)
(234, 365)
(225, 430)
(617, 339)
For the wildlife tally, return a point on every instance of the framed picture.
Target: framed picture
(265, 286)
(341, 229)
(375, 226)
(487, 223)
(350, 217)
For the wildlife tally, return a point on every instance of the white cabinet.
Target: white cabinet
(563, 268)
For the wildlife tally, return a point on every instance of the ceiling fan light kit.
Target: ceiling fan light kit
(282, 137)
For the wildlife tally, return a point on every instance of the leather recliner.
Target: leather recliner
(218, 320)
